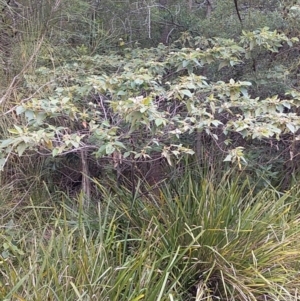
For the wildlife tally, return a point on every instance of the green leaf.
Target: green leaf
(74, 143)
(137, 156)
(55, 152)
(6, 142)
(109, 148)
(126, 154)
(222, 65)
(40, 117)
(159, 121)
(16, 130)
(20, 110)
(2, 163)
(228, 158)
(167, 156)
(244, 91)
(121, 93)
(21, 148)
(120, 144)
(185, 63)
(187, 93)
(29, 115)
(291, 127)
(216, 123)
(65, 100)
(143, 109)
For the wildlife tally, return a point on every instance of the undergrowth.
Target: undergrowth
(197, 240)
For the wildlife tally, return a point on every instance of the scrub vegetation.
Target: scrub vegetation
(149, 150)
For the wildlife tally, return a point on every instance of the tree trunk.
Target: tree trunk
(209, 7)
(86, 184)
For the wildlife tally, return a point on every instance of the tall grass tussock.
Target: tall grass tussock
(198, 240)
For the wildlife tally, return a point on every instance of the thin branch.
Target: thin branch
(149, 23)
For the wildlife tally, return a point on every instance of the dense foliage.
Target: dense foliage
(142, 101)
